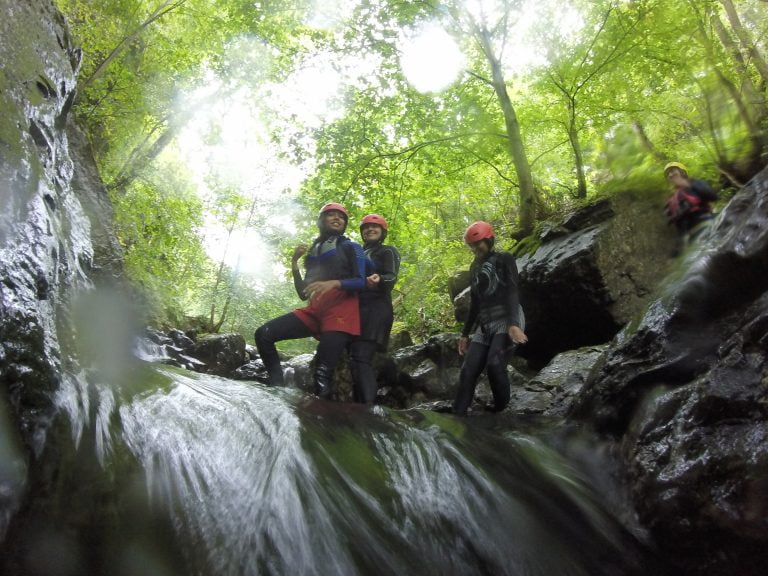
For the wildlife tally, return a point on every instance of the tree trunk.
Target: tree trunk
(141, 160)
(746, 42)
(516, 145)
(646, 141)
(752, 116)
(141, 157)
(578, 157)
(747, 86)
(223, 317)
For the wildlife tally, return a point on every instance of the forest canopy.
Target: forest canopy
(221, 126)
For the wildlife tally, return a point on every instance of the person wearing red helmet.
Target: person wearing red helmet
(376, 313)
(335, 274)
(688, 207)
(495, 322)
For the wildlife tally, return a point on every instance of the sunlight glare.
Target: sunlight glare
(541, 25)
(244, 251)
(430, 59)
(535, 26)
(311, 93)
(329, 14)
(227, 146)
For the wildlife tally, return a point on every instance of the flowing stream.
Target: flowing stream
(216, 477)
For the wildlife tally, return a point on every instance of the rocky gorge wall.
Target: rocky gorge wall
(685, 392)
(52, 207)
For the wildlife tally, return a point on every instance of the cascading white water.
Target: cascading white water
(260, 480)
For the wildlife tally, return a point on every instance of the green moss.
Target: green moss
(451, 425)
(10, 140)
(350, 452)
(527, 245)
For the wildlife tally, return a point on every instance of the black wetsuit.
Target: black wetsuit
(494, 307)
(376, 318)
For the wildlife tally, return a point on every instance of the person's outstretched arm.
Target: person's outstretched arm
(298, 281)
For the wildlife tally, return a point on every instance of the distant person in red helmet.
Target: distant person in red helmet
(688, 207)
(335, 274)
(495, 322)
(376, 314)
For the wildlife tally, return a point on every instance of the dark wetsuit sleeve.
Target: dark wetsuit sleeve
(474, 307)
(512, 291)
(356, 281)
(703, 190)
(298, 283)
(388, 262)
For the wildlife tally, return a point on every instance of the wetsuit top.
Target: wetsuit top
(385, 261)
(494, 294)
(333, 257)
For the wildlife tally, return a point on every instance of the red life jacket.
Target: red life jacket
(683, 203)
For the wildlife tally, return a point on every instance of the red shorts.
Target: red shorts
(335, 311)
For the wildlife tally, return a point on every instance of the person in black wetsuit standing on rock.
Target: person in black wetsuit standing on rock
(495, 322)
(376, 313)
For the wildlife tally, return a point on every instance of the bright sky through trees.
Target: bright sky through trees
(228, 142)
(307, 101)
(430, 59)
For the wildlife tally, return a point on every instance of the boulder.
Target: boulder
(221, 353)
(579, 289)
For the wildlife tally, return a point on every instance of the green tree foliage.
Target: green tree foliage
(158, 224)
(139, 57)
(614, 90)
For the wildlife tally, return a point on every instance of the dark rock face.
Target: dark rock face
(44, 235)
(563, 378)
(688, 393)
(222, 353)
(46, 253)
(579, 288)
(107, 262)
(589, 276)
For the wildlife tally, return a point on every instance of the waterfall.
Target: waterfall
(203, 475)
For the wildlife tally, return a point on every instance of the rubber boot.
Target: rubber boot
(323, 381)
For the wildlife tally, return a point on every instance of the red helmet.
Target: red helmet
(334, 206)
(478, 231)
(373, 219)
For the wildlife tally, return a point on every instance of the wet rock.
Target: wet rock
(221, 353)
(562, 379)
(686, 391)
(579, 289)
(399, 340)
(298, 371)
(253, 370)
(181, 340)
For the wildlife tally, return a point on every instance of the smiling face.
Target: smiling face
(480, 249)
(371, 233)
(334, 222)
